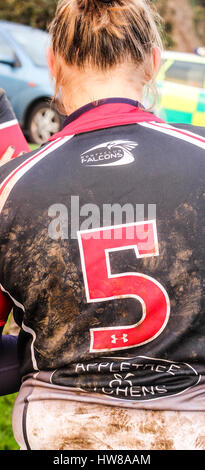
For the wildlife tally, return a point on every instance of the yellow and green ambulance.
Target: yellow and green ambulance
(181, 87)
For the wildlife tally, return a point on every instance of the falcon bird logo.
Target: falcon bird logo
(114, 153)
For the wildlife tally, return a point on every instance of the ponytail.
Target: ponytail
(104, 33)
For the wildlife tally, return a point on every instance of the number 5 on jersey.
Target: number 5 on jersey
(100, 285)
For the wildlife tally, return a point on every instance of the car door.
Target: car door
(8, 63)
(12, 77)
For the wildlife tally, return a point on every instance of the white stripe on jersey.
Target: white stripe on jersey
(24, 327)
(32, 332)
(18, 304)
(5, 189)
(11, 123)
(8, 184)
(182, 134)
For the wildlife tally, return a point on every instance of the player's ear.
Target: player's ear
(51, 61)
(156, 54)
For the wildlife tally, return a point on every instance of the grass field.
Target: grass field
(7, 441)
(33, 146)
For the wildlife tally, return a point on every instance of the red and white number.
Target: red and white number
(95, 246)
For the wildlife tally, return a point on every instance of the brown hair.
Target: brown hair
(104, 34)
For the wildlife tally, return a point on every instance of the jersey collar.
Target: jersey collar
(102, 114)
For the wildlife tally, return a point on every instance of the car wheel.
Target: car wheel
(44, 121)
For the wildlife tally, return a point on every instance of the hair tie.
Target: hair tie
(105, 1)
(85, 4)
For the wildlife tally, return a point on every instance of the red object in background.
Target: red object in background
(12, 135)
(5, 308)
(10, 131)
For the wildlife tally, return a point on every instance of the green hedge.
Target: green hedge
(7, 441)
(37, 13)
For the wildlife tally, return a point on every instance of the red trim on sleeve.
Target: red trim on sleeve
(5, 308)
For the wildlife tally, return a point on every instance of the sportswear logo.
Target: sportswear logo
(117, 152)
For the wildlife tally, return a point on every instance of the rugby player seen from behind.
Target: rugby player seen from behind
(111, 310)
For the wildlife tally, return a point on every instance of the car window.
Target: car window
(6, 51)
(186, 73)
(34, 43)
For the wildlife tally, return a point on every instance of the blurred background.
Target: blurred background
(25, 78)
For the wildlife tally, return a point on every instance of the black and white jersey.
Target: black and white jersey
(103, 256)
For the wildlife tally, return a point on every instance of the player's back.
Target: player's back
(102, 251)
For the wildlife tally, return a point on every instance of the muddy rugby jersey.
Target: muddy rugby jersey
(103, 257)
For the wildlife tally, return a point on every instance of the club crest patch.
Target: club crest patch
(114, 153)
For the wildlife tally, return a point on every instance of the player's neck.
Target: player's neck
(84, 87)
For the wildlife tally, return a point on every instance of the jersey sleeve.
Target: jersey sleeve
(5, 308)
(188, 127)
(10, 131)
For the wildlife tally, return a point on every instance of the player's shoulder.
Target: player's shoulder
(17, 163)
(198, 130)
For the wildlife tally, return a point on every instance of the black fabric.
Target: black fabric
(6, 111)
(45, 275)
(10, 379)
